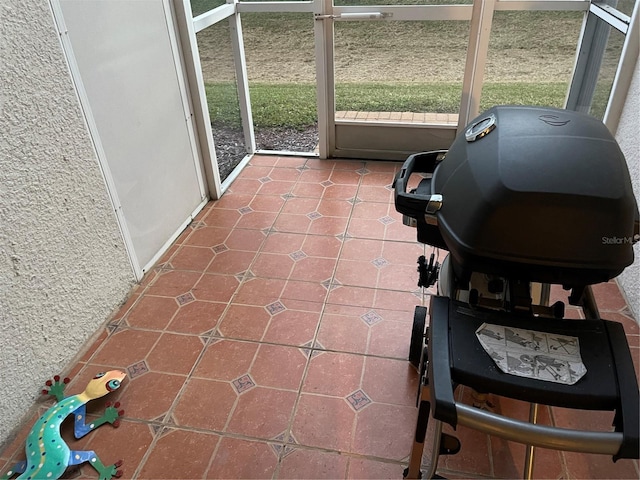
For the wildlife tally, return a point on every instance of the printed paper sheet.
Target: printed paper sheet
(531, 354)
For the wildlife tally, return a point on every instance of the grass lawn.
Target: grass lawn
(294, 105)
(414, 66)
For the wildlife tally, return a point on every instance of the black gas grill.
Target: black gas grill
(524, 198)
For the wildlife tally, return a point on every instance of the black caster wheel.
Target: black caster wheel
(417, 336)
(406, 472)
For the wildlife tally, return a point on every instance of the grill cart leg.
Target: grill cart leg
(530, 453)
(424, 411)
(415, 460)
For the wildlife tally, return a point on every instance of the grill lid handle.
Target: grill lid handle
(413, 204)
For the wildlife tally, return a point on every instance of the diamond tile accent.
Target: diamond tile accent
(305, 351)
(371, 318)
(277, 448)
(380, 262)
(389, 187)
(155, 428)
(326, 183)
(265, 180)
(362, 171)
(245, 210)
(215, 334)
(387, 220)
(243, 383)
(314, 215)
(358, 400)
(299, 255)
(185, 298)
(287, 196)
(137, 369)
(220, 248)
(112, 327)
(302, 168)
(197, 224)
(171, 420)
(275, 308)
(331, 284)
(354, 201)
(627, 311)
(287, 450)
(309, 351)
(165, 431)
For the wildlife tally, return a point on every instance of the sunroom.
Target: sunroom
(200, 194)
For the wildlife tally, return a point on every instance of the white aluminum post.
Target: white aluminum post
(180, 59)
(480, 31)
(323, 35)
(624, 74)
(242, 80)
(188, 28)
(590, 52)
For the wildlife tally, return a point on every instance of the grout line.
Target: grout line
(305, 372)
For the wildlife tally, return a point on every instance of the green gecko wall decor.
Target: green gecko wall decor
(48, 455)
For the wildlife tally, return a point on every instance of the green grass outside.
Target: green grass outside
(520, 42)
(294, 105)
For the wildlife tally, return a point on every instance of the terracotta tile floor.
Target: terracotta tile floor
(271, 342)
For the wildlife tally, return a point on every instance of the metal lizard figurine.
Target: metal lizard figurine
(48, 456)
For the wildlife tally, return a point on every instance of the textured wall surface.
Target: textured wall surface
(628, 136)
(63, 265)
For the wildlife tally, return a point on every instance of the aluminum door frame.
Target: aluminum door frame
(330, 130)
(416, 137)
(189, 26)
(591, 48)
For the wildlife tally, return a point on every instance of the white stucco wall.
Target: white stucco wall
(63, 265)
(628, 136)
